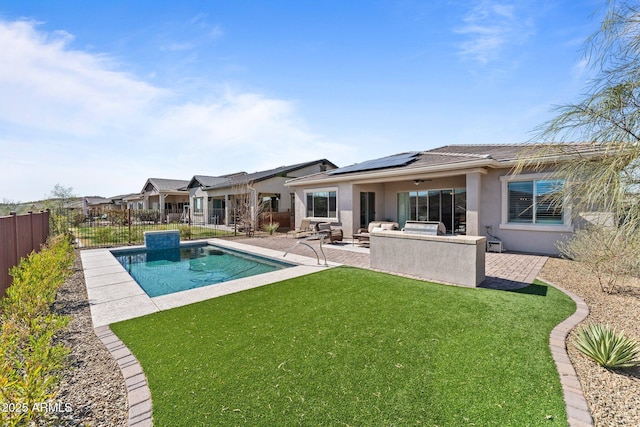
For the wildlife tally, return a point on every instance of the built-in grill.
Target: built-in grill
(432, 228)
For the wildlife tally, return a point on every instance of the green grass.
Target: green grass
(354, 347)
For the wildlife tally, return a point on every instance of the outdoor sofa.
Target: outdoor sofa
(363, 233)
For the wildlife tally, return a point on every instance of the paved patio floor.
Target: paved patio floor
(502, 270)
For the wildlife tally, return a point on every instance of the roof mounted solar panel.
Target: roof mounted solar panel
(394, 161)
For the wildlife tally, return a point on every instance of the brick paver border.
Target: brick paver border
(138, 393)
(578, 413)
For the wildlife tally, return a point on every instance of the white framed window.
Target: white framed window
(529, 202)
(197, 205)
(322, 203)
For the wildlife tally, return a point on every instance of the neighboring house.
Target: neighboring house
(203, 209)
(120, 201)
(92, 205)
(168, 196)
(212, 197)
(469, 188)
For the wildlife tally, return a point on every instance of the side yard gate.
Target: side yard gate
(19, 236)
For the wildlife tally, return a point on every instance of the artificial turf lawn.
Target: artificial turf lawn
(354, 347)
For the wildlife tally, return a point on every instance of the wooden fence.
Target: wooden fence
(19, 236)
(282, 218)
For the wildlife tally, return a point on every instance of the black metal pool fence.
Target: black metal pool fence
(116, 227)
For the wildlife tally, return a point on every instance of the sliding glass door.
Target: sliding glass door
(367, 208)
(447, 206)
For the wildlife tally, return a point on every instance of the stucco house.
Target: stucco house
(100, 204)
(168, 196)
(469, 188)
(211, 197)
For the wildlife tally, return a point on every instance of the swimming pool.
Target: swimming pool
(162, 272)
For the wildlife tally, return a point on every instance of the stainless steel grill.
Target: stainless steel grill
(432, 228)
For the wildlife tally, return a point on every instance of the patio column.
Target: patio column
(161, 199)
(205, 208)
(226, 209)
(474, 180)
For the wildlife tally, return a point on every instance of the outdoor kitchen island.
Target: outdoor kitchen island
(421, 250)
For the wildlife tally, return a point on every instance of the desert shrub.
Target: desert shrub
(58, 223)
(148, 216)
(31, 362)
(135, 235)
(104, 235)
(609, 253)
(608, 348)
(185, 232)
(271, 227)
(77, 218)
(117, 217)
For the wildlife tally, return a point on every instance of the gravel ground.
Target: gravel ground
(613, 396)
(93, 385)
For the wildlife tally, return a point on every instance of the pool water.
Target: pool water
(162, 272)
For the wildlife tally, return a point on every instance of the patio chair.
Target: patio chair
(331, 234)
(305, 230)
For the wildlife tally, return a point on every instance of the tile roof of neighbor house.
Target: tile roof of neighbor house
(453, 156)
(123, 196)
(97, 200)
(266, 174)
(162, 184)
(209, 181)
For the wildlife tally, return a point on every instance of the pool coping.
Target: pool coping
(114, 295)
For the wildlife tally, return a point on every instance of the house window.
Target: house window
(322, 204)
(197, 205)
(531, 202)
(534, 202)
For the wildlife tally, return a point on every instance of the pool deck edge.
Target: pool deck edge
(114, 296)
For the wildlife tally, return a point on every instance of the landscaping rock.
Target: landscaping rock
(613, 396)
(92, 385)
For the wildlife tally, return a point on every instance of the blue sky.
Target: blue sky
(100, 96)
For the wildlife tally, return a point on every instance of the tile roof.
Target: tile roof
(162, 184)
(266, 174)
(491, 155)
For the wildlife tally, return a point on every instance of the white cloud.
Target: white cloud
(489, 27)
(47, 86)
(72, 117)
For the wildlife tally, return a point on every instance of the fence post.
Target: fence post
(129, 223)
(15, 227)
(33, 234)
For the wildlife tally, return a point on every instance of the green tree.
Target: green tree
(59, 197)
(607, 118)
(7, 206)
(57, 202)
(607, 121)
